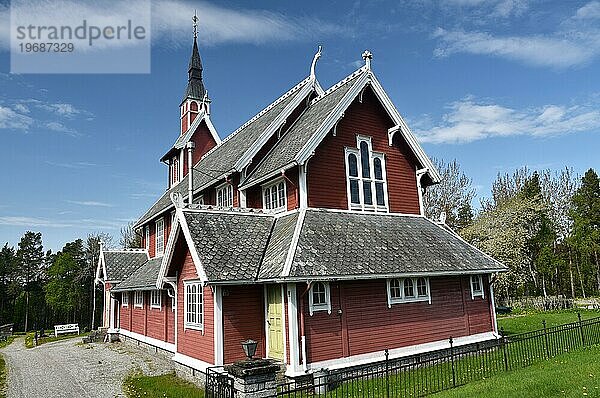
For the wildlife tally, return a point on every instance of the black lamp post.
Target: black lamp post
(249, 347)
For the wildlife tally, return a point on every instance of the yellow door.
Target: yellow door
(275, 321)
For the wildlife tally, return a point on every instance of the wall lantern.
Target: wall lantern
(249, 347)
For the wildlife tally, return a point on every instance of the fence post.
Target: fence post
(503, 342)
(581, 329)
(387, 373)
(546, 339)
(452, 361)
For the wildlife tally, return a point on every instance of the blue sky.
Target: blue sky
(495, 84)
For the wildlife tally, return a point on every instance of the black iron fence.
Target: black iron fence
(435, 371)
(218, 384)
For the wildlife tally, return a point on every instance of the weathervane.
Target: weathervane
(367, 56)
(195, 20)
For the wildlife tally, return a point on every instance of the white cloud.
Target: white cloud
(61, 128)
(589, 11)
(491, 8)
(557, 52)
(469, 120)
(89, 203)
(576, 41)
(32, 222)
(74, 165)
(9, 119)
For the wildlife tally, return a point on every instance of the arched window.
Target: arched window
(365, 169)
(194, 106)
(319, 297)
(422, 287)
(409, 288)
(274, 196)
(396, 288)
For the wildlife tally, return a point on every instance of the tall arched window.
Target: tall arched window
(365, 170)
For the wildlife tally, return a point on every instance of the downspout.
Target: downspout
(420, 173)
(190, 148)
(302, 335)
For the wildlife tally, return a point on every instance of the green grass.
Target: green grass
(30, 340)
(165, 386)
(2, 377)
(576, 374)
(532, 320)
(6, 342)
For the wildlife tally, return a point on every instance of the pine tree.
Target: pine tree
(30, 266)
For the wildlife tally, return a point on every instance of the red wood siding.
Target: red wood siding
(327, 169)
(156, 320)
(254, 197)
(194, 343)
(203, 141)
(138, 315)
(124, 314)
(243, 318)
(367, 324)
(170, 320)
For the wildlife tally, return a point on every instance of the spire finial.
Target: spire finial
(195, 24)
(367, 56)
(314, 62)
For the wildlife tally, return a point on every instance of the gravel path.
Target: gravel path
(67, 369)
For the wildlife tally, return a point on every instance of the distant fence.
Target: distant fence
(539, 303)
(436, 371)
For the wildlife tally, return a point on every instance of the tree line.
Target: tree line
(39, 289)
(543, 225)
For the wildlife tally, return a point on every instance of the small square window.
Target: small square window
(155, 299)
(477, 286)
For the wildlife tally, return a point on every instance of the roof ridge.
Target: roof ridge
(196, 208)
(339, 84)
(126, 250)
(259, 114)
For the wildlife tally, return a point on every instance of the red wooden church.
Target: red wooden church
(302, 230)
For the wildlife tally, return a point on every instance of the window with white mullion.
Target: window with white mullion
(365, 170)
(407, 290)
(160, 237)
(274, 196)
(225, 195)
(193, 305)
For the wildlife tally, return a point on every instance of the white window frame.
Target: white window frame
(402, 298)
(138, 299)
(372, 156)
(159, 244)
(153, 295)
(481, 291)
(175, 166)
(125, 299)
(269, 187)
(200, 200)
(200, 290)
(312, 307)
(147, 237)
(225, 188)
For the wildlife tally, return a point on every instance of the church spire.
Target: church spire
(195, 87)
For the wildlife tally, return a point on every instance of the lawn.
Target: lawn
(2, 377)
(530, 321)
(30, 340)
(576, 374)
(165, 386)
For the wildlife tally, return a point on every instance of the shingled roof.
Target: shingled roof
(143, 278)
(220, 161)
(284, 152)
(327, 244)
(119, 264)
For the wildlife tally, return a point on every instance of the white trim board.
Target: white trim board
(190, 362)
(378, 356)
(148, 340)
